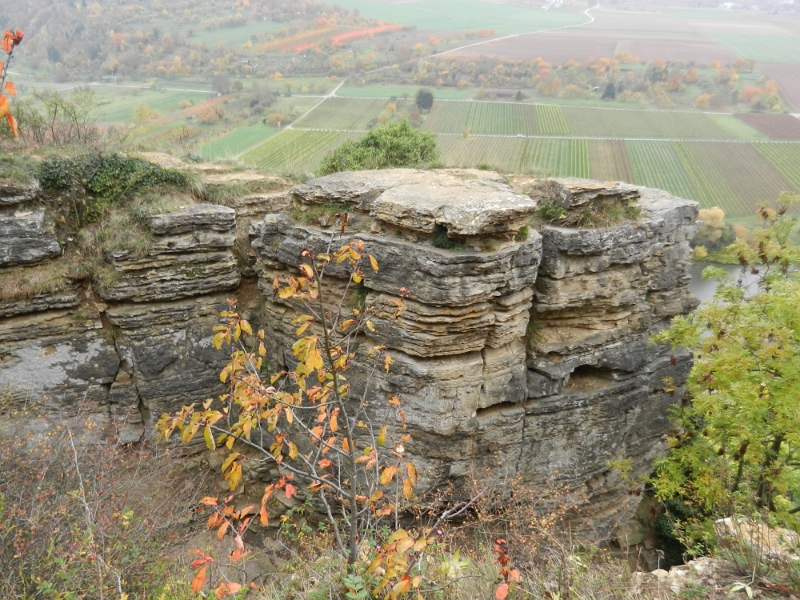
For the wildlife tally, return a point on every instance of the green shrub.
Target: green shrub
(395, 145)
(94, 182)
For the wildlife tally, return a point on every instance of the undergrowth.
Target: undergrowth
(588, 216)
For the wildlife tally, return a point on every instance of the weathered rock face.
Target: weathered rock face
(526, 358)
(523, 350)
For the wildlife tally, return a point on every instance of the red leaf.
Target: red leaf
(501, 593)
(199, 580)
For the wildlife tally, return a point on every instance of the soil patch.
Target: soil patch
(778, 127)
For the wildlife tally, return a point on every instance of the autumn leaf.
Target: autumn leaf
(199, 580)
(221, 531)
(293, 452)
(388, 474)
(235, 476)
(382, 437)
(289, 490)
(408, 490)
(11, 88)
(501, 593)
(412, 473)
(334, 424)
(373, 263)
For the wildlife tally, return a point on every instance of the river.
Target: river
(704, 289)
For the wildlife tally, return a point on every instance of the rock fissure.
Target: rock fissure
(525, 359)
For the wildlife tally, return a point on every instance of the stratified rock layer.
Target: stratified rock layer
(526, 358)
(523, 350)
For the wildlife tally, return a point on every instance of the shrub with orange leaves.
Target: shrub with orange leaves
(11, 39)
(310, 424)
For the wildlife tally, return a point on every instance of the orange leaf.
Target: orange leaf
(388, 474)
(412, 473)
(513, 574)
(199, 580)
(11, 88)
(345, 446)
(209, 501)
(408, 490)
(221, 531)
(5, 106)
(12, 122)
(334, 424)
(264, 516)
(289, 490)
(501, 593)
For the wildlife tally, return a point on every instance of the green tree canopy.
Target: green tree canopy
(395, 145)
(737, 447)
(424, 99)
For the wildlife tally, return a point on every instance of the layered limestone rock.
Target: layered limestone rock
(523, 349)
(524, 356)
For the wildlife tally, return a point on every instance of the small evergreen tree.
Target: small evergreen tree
(424, 99)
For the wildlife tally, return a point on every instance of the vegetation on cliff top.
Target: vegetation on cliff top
(395, 145)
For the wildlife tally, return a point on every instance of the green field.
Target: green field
(398, 91)
(343, 113)
(737, 176)
(464, 15)
(294, 150)
(234, 143)
(764, 48)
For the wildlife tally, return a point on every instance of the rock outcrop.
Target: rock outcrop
(523, 350)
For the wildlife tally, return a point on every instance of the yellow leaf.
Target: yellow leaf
(412, 473)
(246, 327)
(209, 438)
(293, 452)
(387, 363)
(301, 329)
(370, 326)
(388, 474)
(373, 263)
(408, 490)
(382, 436)
(235, 476)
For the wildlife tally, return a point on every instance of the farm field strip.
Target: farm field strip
(551, 120)
(785, 158)
(339, 113)
(656, 165)
(482, 119)
(294, 150)
(752, 178)
(639, 109)
(734, 176)
(609, 161)
(589, 122)
(762, 47)
(712, 188)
